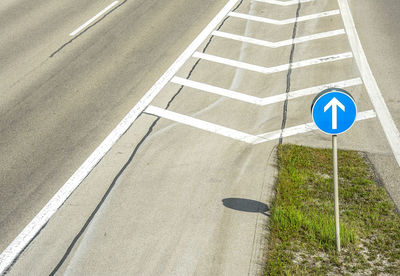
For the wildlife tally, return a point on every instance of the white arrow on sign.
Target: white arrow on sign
(334, 103)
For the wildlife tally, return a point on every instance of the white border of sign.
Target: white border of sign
(327, 91)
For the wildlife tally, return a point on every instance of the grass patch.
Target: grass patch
(302, 233)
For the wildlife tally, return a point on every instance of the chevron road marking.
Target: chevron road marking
(267, 100)
(291, 131)
(275, 69)
(278, 44)
(210, 127)
(285, 21)
(239, 135)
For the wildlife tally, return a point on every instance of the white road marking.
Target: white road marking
(278, 44)
(285, 21)
(239, 135)
(291, 131)
(39, 221)
(375, 94)
(275, 69)
(267, 100)
(284, 3)
(91, 20)
(190, 121)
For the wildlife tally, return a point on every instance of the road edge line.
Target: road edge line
(17, 246)
(374, 93)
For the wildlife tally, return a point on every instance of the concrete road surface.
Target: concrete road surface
(187, 189)
(54, 111)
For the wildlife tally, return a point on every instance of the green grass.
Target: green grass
(302, 233)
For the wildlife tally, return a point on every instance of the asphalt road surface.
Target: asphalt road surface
(187, 189)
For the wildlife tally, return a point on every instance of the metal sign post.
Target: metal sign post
(341, 117)
(336, 191)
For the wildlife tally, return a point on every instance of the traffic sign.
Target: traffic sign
(334, 111)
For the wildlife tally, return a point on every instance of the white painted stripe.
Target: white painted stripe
(285, 21)
(200, 124)
(217, 90)
(39, 221)
(375, 94)
(263, 101)
(239, 135)
(270, 70)
(91, 20)
(284, 3)
(279, 43)
(308, 127)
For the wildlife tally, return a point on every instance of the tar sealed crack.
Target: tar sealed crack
(289, 74)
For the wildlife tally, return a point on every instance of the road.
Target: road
(56, 111)
(187, 189)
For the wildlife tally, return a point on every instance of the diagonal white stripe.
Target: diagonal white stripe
(239, 135)
(285, 21)
(267, 100)
(190, 121)
(279, 43)
(275, 69)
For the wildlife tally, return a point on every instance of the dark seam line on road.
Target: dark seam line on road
(83, 229)
(88, 28)
(289, 75)
(20, 253)
(74, 241)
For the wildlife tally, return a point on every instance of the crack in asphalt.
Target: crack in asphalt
(289, 74)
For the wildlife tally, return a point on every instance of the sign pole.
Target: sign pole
(336, 191)
(334, 111)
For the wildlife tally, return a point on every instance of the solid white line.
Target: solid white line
(279, 43)
(40, 220)
(87, 23)
(239, 135)
(270, 70)
(283, 3)
(285, 21)
(263, 101)
(375, 94)
(200, 124)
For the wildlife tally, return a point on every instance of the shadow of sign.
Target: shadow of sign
(246, 205)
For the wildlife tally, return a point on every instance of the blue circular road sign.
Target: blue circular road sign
(334, 111)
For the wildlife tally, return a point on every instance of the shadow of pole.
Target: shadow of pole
(246, 205)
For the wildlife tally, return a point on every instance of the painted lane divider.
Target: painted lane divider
(15, 248)
(267, 100)
(284, 21)
(278, 44)
(389, 127)
(90, 21)
(284, 3)
(239, 135)
(275, 69)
